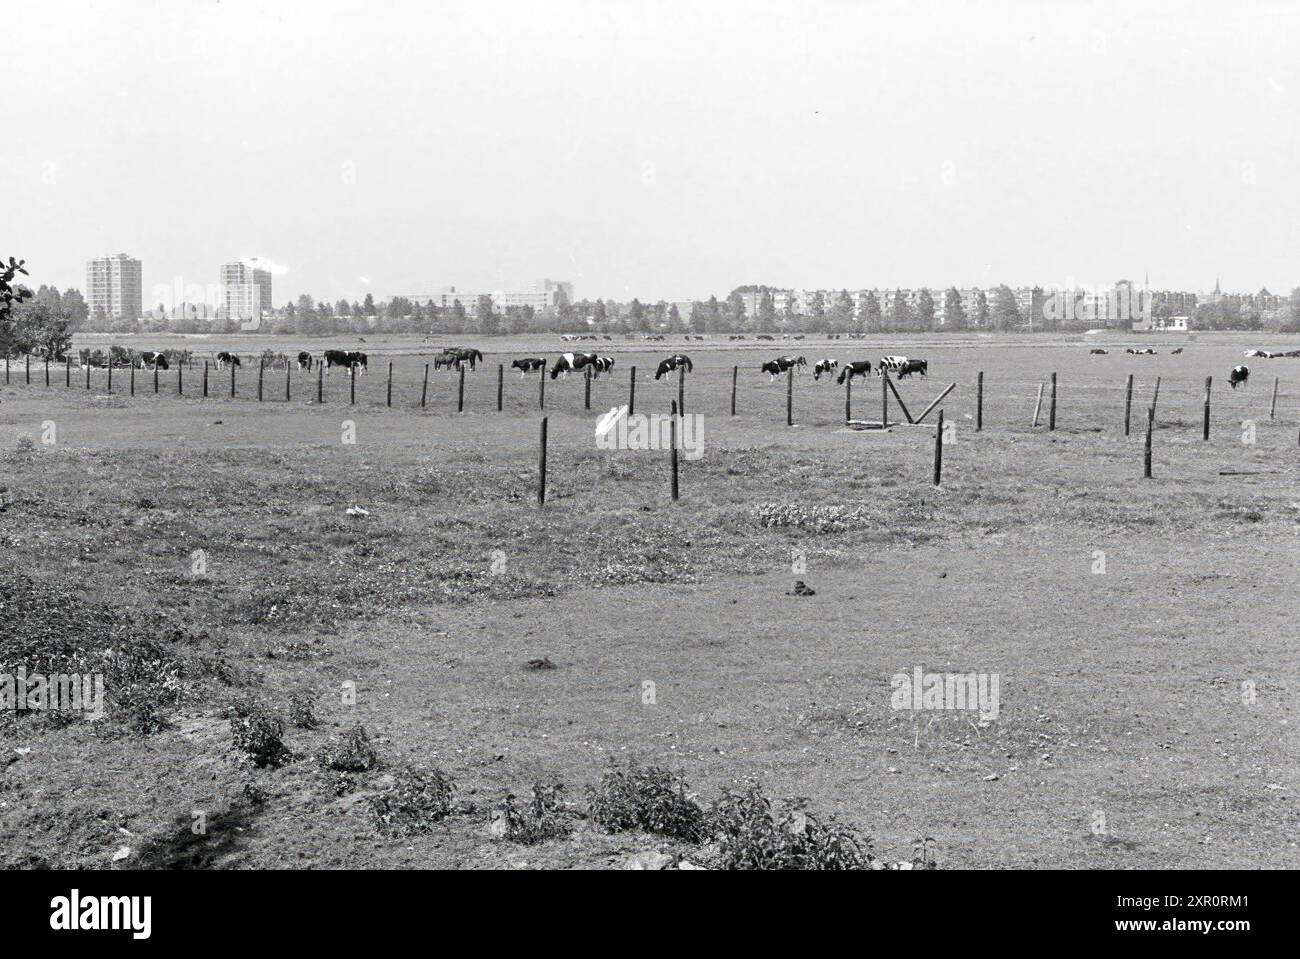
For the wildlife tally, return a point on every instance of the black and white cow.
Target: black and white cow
(673, 362)
(776, 367)
(890, 364)
(1176, 352)
(333, 358)
(850, 370)
(913, 366)
(571, 362)
(1143, 351)
(528, 364)
(824, 366)
(603, 364)
(1097, 352)
(151, 360)
(306, 361)
(1238, 375)
(357, 360)
(225, 359)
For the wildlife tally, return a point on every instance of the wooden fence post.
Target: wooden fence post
(735, 373)
(352, 384)
(631, 392)
(1155, 395)
(180, 379)
(155, 377)
(88, 376)
(903, 406)
(67, 371)
(541, 468)
(28, 373)
(261, 376)
(938, 451)
(1128, 402)
(884, 399)
(848, 398)
(460, 392)
(47, 375)
(287, 377)
(1272, 407)
(501, 386)
(320, 385)
(424, 388)
(1205, 423)
(789, 397)
(110, 373)
(586, 388)
(681, 389)
(672, 435)
(1038, 406)
(979, 402)
(926, 412)
(541, 389)
(1051, 412)
(232, 380)
(1151, 419)
(205, 377)
(388, 399)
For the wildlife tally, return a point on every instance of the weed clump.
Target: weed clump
(355, 754)
(649, 799)
(413, 803)
(259, 734)
(754, 835)
(544, 817)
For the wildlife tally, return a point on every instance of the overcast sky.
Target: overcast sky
(654, 149)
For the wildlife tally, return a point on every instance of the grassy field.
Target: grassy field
(1121, 690)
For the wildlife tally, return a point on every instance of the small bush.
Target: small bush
(259, 734)
(545, 817)
(751, 835)
(413, 803)
(650, 799)
(355, 754)
(301, 711)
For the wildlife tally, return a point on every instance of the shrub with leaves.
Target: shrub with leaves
(259, 734)
(544, 817)
(753, 835)
(412, 803)
(354, 754)
(649, 799)
(302, 713)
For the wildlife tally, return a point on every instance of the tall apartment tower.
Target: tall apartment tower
(113, 287)
(245, 290)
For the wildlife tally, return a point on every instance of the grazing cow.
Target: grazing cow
(672, 363)
(358, 360)
(1144, 351)
(570, 362)
(913, 366)
(1239, 374)
(782, 363)
(456, 356)
(149, 359)
(603, 364)
(1096, 352)
(824, 366)
(332, 358)
(225, 359)
(850, 370)
(528, 364)
(764, 336)
(306, 361)
(1176, 352)
(891, 364)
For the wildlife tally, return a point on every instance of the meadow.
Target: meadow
(1142, 630)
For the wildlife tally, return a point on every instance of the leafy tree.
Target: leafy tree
(981, 309)
(766, 321)
(925, 309)
(954, 314)
(1005, 313)
(900, 316)
(485, 315)
(872, 321)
